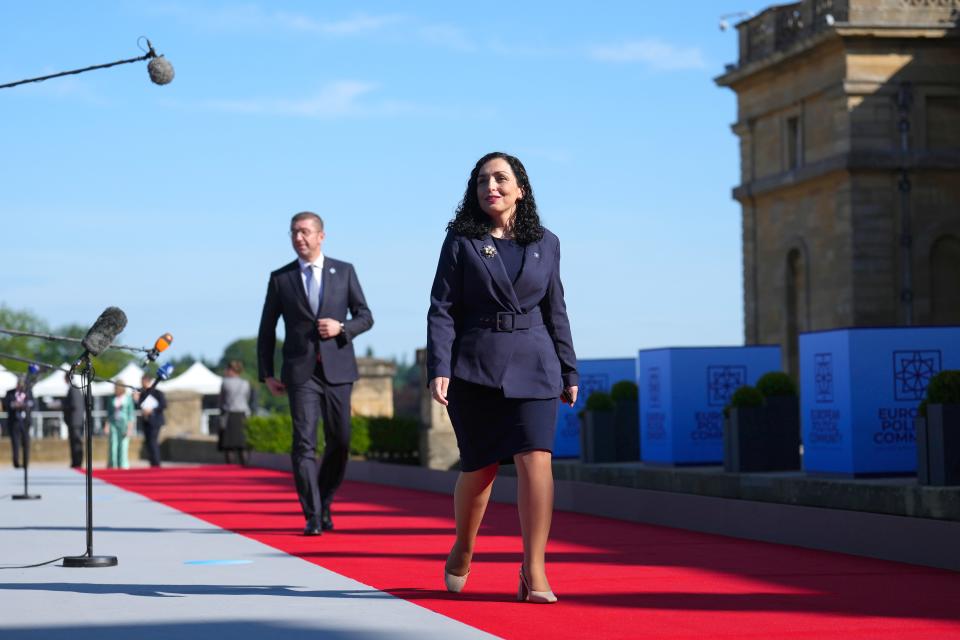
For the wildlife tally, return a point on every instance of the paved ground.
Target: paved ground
(178, 577)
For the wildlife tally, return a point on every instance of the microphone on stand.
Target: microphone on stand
(163, 373)
(107, 327)
(161, 345)
(33, 369)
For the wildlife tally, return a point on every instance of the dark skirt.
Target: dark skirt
(233, 434)
(490, 427)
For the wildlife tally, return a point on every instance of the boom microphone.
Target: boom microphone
(107, 327)
(161, 345)
(160, 70)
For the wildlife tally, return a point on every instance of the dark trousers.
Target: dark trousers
(20, 438)
(314, 399)
(151, 441)
(75, 433)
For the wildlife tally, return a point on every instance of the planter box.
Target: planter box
(598, 437)
(938, 445)
(763, 438)
(859, 391)
(682, 395)
(627, 427)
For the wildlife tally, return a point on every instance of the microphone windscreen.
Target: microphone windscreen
(107, 327)
(160, 70)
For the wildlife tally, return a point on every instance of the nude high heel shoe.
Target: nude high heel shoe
(455, 584)
(526, 594)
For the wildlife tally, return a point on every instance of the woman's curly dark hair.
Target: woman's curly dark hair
(471, 221)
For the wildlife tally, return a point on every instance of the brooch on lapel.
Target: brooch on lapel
(536, 255)
(332, 270)
(488, 251)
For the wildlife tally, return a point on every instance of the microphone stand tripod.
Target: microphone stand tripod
(88, 559)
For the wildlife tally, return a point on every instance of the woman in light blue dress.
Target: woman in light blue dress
(121, 416)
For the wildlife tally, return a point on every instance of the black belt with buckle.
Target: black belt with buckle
(506, 321)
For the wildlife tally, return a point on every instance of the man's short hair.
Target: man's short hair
(307, 215)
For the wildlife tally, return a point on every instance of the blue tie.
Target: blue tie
(313, 289)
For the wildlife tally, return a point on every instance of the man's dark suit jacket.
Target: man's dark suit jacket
(157, 417)
(471, 282)
(8, 401)
(73, 407)
(285, 297)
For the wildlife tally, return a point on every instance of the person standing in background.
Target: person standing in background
(121, 416)
(235, 398)
(73, 416)
(18, 403)
(152, 402)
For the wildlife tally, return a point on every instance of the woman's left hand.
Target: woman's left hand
(569, 395)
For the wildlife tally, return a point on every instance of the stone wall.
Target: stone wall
(373, 392)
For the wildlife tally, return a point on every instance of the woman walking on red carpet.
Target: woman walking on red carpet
(499, 355)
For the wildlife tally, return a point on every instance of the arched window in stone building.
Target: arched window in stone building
(945, 270)
(796, 308)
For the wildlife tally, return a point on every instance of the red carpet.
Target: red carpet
(615, 579)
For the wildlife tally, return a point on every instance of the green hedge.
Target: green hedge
(274, 434)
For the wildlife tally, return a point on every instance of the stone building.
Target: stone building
(849, 125)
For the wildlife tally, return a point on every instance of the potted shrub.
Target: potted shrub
(626, 417)
(762, 429)
(597, 429)
(938, 431)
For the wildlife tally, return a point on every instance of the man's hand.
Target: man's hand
(438, 389)
(569, 395)
(275, 387)
(328, 328)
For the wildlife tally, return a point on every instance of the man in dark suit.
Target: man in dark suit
(151, 402)
(18, 403)
(73, 414)
(313, 294)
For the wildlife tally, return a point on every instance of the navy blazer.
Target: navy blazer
(285, 297)
(470, 282)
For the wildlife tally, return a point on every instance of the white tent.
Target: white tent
(130, 374)
(197, 378)
(8, 380)
(52, 385)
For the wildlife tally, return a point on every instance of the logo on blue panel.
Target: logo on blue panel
(653, 386)
(912, 371)
(823, 376)
(593, 382)
(722, 381)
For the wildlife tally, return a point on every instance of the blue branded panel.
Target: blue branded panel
(595, 375)
(682, 395)
(859, 391)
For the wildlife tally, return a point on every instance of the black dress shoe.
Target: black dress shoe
(312, 528)
(326, 521)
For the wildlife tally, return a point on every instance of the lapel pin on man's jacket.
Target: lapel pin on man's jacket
(332, 270)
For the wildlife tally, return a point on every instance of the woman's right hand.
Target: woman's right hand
(438, 389)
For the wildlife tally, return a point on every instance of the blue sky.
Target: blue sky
(173, 202)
